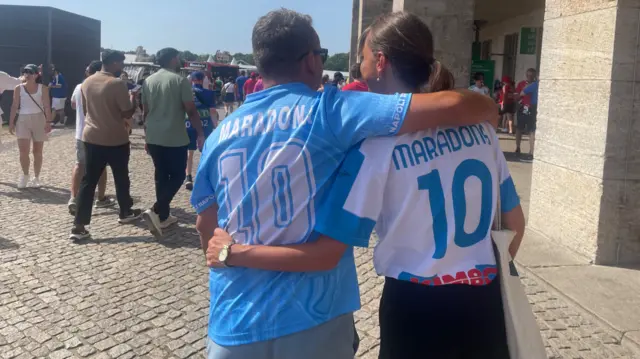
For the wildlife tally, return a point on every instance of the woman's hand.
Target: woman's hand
(47, 127)
(12, 128)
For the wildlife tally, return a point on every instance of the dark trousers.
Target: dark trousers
(97, 158)
(170, 166)
(453, 321)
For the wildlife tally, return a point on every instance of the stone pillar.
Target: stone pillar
(364, 12)
(451, 22)
(355, 26)
(585, 191)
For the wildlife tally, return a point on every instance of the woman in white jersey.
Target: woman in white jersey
(32, 106)
(431, 197)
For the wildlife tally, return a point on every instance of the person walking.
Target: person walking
(103, 200)
(7, 83)
(260, 176)
(527, 92)
(204, 100)
(230, 91)
(58, 88)
(507, 104)
(106, 102)
(432, 210)
(250, 84)
(240, 81)
(166, 96)
(31, 105)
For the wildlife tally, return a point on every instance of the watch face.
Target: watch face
(224, 253)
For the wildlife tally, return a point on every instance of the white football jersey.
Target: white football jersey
(431, 197)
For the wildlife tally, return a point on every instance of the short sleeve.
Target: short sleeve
(355, 116)
(185, 91)
(353, 204)
(529, 90)
(509, 198)
(203, 195)
(144, 94)
(76, 96)
(121, 94)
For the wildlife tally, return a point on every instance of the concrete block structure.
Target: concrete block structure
(585, 192)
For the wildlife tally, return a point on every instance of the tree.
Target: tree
(248, 58)
(337, 62)
(188, 56)
(202, 57)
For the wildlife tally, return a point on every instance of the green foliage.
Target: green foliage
(337, 62)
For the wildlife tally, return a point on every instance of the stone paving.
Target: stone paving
(125, 295)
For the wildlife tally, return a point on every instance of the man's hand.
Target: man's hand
(216, 243)
(12, 128)
(200, 142)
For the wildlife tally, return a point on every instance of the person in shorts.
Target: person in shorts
(508, 104)
(103, 201)
(204, 100)
(527, 118)
(31, 103)
(58, 90)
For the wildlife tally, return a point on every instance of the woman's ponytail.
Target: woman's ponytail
(441, 78)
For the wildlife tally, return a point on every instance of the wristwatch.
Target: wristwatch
(224, 254)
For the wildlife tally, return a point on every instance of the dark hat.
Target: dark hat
(197, 75)
(338, 76)
(31, 67)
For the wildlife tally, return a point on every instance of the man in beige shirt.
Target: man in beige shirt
(106, 102)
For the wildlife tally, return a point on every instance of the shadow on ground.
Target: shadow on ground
(42, 195)
(8, 244)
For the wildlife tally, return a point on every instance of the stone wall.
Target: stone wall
(586, 176)
(364, 12)
(451, 22)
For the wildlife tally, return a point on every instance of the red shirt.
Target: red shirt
(356, 86)
(248, 86)
(526, 99)
(507, 94)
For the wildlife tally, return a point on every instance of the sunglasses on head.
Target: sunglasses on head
(28, 72)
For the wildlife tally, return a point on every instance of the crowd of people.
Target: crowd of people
(297, 176)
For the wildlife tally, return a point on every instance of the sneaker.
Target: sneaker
(518, 150)
(107, 201)
(132, 216)
(35, 183)
(79, 234)
(153, 221)
(72, 206)
(189, 183)
(169, 221)
(22, 182)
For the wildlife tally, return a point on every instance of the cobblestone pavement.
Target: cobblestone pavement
(124, 295)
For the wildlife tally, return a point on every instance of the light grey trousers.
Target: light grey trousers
(333, 339)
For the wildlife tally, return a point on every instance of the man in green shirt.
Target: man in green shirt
(166, 96)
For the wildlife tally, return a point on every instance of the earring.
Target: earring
(378, 79)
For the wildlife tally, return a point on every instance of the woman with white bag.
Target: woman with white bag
(432, 198)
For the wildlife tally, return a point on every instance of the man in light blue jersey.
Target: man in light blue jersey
(262, 175)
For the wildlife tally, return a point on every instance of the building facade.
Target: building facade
(585, 191)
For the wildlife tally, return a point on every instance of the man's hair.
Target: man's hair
(164, 56)
(478, 76)
(94, 67)
(111, 56)
(355, 71)
(532, 70)
(280, 39)
(243, 73)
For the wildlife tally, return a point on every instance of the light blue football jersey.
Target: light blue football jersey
(267, 166)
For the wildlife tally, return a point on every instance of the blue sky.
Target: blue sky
(201, 26)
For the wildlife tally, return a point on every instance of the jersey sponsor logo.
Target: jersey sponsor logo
(480, 275)
(261, 123)
(445, 141)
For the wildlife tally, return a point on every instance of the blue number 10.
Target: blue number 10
(431, 182)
